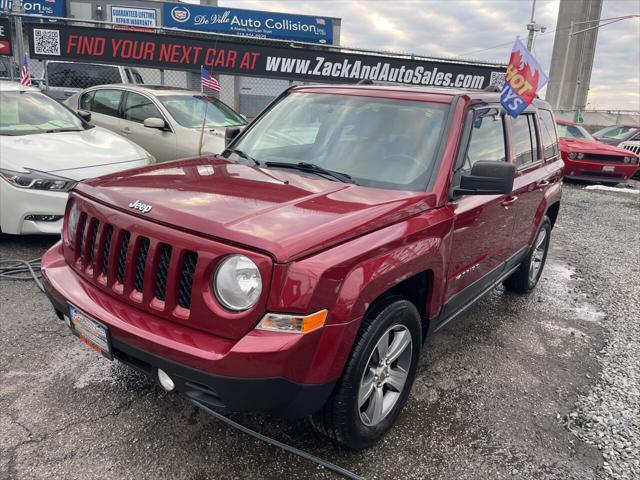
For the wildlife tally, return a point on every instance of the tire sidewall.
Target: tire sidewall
(400, 312)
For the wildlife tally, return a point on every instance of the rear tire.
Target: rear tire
(526, 277)
(376, 381)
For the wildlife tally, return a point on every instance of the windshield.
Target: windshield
(25, 113)
(378, 142)
(573, 131)
(616, 133)
(188, 111)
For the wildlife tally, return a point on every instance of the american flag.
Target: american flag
(25, 78)
(320, 21)
(208, 81)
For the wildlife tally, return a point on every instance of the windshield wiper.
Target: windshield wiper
(313, 168)
(58, 130)
(240, 153)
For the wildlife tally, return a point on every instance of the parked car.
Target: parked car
(616, 134)
(166, 121)
(632, 146)
(64, 79)
(587, 159)
(45, 148)
(300, 274)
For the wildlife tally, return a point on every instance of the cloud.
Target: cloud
(482, 29)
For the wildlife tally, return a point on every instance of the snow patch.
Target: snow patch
(611, 189)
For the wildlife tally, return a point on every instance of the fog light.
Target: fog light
(43, 218)
(165, 380)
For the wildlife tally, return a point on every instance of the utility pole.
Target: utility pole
(533, 27)
(573, 32)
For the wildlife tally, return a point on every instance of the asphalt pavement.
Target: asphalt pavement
(536, 386)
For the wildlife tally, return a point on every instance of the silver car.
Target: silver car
(165, 121)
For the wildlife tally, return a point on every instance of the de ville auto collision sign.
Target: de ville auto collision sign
(5, 37)
(249, 58)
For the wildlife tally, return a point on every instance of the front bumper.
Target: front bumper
(594, 171)
(284, 374)
(18, 203)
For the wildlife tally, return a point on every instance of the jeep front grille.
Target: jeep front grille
(125, 262)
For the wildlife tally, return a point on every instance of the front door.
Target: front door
(159, 143)
(483, 226)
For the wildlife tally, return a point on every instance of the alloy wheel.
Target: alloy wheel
(537, 257)
(385, 375)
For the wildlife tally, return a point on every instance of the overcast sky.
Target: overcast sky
(470, 28)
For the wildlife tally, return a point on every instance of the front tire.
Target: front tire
(377, 378)
(526, 277)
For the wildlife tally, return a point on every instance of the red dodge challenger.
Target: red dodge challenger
(585, 158)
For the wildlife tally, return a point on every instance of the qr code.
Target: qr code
(46, 42)
(497, 79)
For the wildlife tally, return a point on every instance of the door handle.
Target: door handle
(543, 183)
(69, 92)
(126, 130)
(510, 200)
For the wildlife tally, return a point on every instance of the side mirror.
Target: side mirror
(86, 116)
(230, 134)
(488, 178)
(154, 122)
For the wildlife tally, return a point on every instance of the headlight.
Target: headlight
(37, 180)
(72, 220)
(237, 283)
(580, 156)
(573, 155)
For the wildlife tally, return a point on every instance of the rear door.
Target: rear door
(159, 143)
(532, 178)
(483, 224)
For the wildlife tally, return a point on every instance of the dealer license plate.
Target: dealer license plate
(90, 331)
(608, 168)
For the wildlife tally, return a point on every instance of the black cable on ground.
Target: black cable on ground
(15, 269)
(339, 470)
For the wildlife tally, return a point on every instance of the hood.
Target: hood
(75, 155)
(590, 146)
(272, 210)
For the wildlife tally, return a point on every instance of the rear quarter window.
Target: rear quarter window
(549, 134)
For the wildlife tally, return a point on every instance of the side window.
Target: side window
(106, 102)
(487, 139)
(86, 100)
(138, 107)
(524, 141)
(548, 132)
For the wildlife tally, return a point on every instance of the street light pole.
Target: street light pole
(533, 27)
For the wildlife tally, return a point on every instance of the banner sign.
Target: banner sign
(133, 17)
(48, 8)
(522, 81)
(240, 58)
(5, 37)
(250, 23)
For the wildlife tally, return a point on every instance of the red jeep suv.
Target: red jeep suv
(300, 272)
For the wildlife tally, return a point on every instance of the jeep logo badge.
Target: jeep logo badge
(138, 205)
